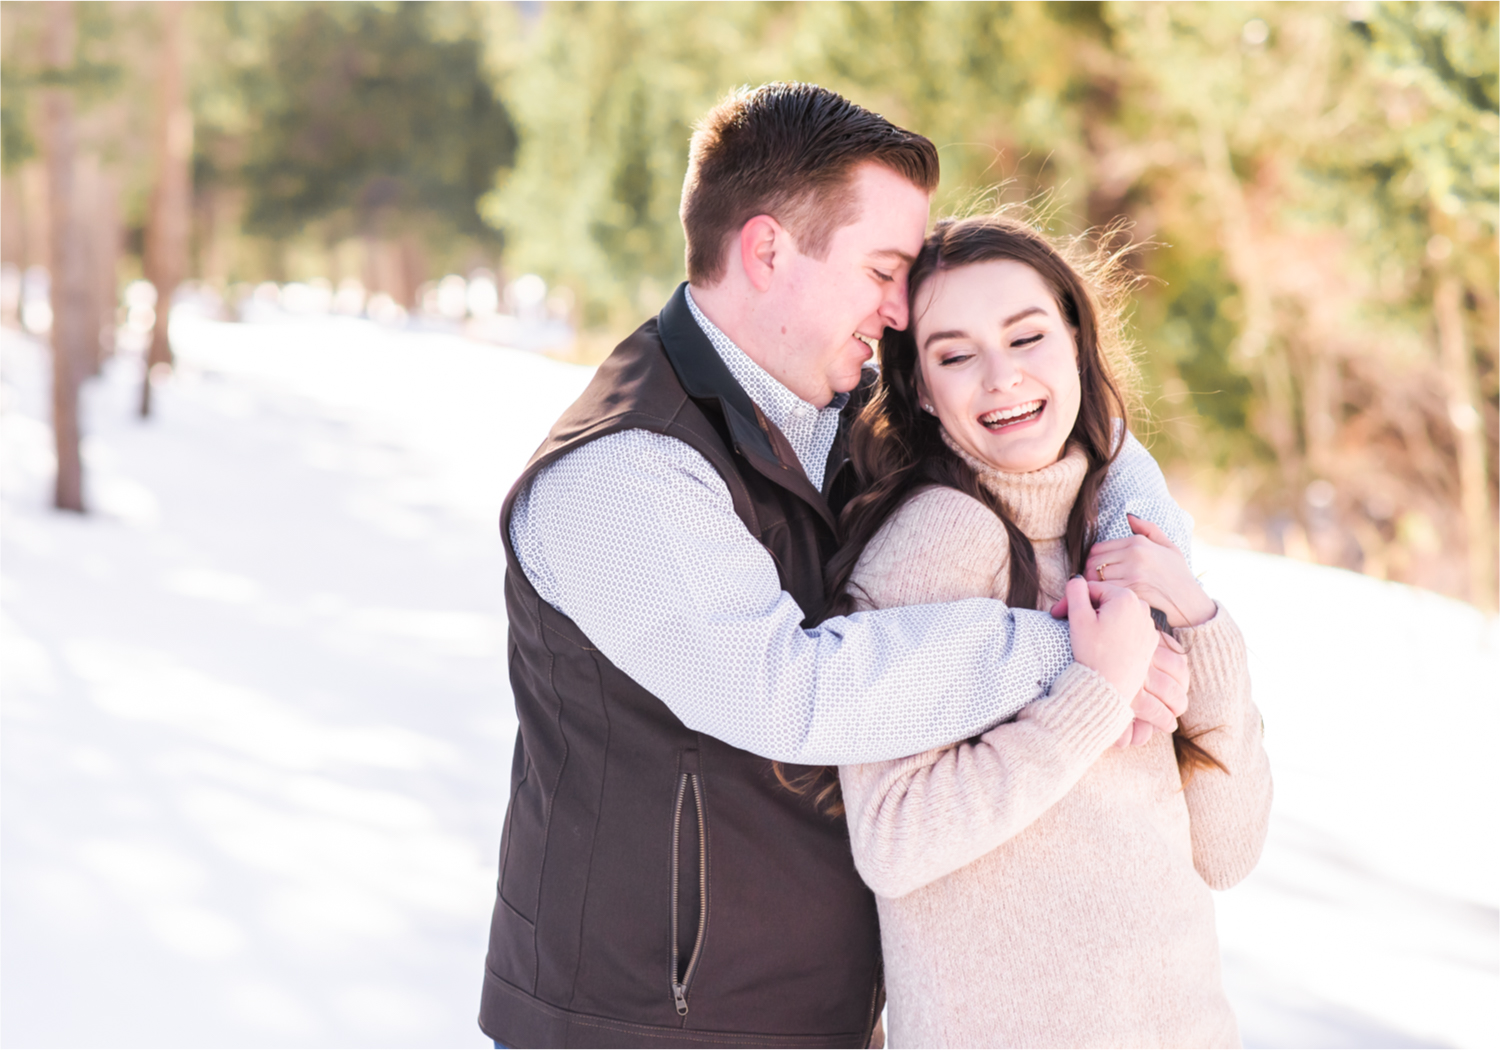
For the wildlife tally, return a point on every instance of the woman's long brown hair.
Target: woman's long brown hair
(896, 448)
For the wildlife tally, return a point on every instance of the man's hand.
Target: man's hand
(1163, 696)
(1168, 679)
(1151, 565)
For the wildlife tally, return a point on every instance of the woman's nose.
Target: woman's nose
(1000, 372)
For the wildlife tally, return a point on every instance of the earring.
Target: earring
(928, 409)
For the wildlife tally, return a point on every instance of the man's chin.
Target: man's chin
(853, 371)
(845, 383)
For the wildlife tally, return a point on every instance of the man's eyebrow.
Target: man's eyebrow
(896, 253)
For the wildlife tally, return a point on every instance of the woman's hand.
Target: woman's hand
(1150, 565)
(1164, 697)
(1118, 640)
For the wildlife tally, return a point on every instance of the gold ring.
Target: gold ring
(1099, 570)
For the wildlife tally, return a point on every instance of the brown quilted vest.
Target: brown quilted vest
(659, 887)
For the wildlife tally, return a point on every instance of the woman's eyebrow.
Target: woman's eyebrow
(952, 333)
(959, 333)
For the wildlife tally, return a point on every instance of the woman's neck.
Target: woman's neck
(1038, 502)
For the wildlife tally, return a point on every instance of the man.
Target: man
(658, 885)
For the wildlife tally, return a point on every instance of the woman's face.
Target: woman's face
(998, 363)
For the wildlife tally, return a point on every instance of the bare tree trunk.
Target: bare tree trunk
(1464, 412)
(412, 265)
(37, 224)
(167, 226)
(70, 283)
(86, 191)
(109, 242)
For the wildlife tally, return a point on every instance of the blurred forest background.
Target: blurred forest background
(1319, 182)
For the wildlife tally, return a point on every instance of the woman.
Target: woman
(1037, 886)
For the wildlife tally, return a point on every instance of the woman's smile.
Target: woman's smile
(998, 363)
(1013, 418)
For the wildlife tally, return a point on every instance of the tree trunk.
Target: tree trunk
(1464, 413)
(171, 196)
(109, 244)
(37, 226)
(209, 226)
(412, 262)
(70, 277)
(87, 180)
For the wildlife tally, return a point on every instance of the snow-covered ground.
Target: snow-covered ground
(257, 732)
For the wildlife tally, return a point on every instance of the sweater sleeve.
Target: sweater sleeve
(913, 820)
(1229, 813)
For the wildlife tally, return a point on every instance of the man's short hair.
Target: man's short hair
(788, 151)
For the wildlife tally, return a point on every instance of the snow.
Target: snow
(257, 733)
(1371, 919)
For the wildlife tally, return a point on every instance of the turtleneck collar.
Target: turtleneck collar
(1039, 502)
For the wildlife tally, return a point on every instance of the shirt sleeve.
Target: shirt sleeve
(1135, 485)
(634, 537)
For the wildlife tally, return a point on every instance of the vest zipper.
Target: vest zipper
(680, 988)
(876, 1004)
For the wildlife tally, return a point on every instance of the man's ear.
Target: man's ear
(760, 238)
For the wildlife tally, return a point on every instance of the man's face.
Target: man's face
(833, 306)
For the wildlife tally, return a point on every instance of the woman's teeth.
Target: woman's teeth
(1005, 417)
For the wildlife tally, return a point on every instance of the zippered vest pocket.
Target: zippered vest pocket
(689, 794)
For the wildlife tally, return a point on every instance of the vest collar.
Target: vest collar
(705, 377)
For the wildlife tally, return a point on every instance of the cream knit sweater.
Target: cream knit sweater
(1037, 886)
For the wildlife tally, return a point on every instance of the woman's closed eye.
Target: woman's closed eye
(1029, 340)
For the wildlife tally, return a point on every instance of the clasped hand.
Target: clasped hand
(1112, 631)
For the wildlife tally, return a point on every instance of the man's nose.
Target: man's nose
(893, 309)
